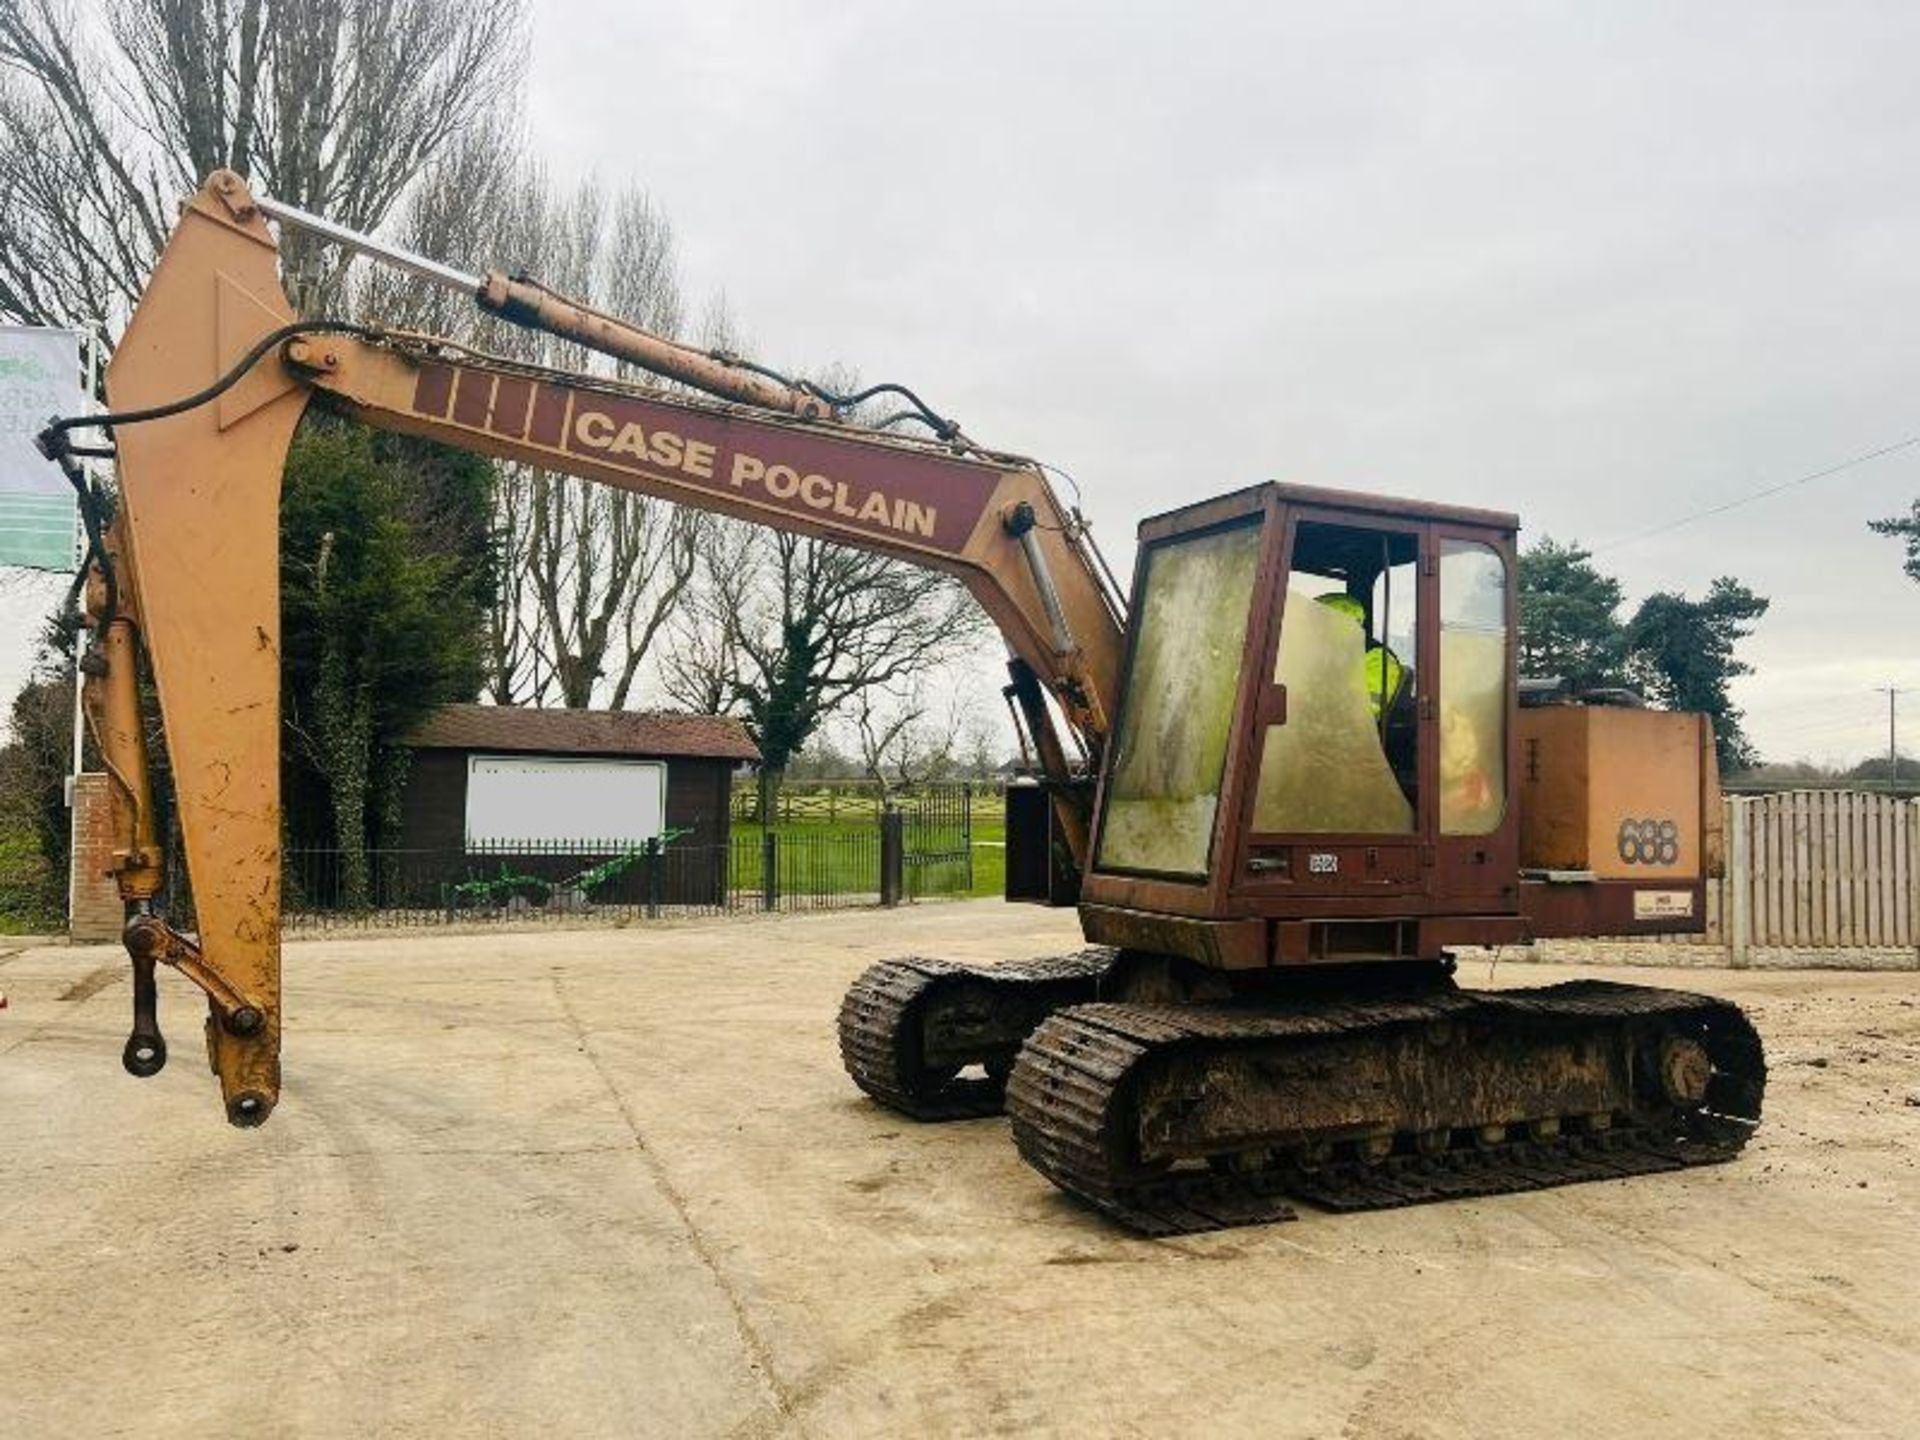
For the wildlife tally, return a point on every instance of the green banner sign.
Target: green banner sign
(39, 379)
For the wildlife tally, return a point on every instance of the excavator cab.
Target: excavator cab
(1313, 757)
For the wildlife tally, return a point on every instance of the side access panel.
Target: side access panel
(1040, 865)
(1619, 820)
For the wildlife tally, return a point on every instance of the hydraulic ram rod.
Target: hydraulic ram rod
(393, 255)
(529, 304)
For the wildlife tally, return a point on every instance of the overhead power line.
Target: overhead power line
(1855, 728)
(1762, 494)
(1797, 707)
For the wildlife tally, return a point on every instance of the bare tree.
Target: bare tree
(603, 569)
(916, 735)
(790, 631)
(816, 626)
(888, 731)
(590, 575)
(701, 662)
(904, 738)
(108, 116)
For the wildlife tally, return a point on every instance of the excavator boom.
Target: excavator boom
(190, 565)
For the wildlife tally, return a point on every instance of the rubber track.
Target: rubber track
(881, 1015)
(1068, 1100)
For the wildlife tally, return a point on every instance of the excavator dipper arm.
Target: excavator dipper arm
(190, 566)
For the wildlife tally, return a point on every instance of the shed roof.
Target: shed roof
(584, 732)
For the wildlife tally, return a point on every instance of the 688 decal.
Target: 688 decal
(1649, 842)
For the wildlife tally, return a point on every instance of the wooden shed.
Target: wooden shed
(544, 787)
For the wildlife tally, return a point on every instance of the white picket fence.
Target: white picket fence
(1815, 870)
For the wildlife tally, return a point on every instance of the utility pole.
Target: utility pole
(1893, 694)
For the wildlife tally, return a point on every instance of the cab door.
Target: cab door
(1338, 808)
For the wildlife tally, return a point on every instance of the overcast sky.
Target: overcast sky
(1602, 264)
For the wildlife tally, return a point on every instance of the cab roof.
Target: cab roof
(1254, 498)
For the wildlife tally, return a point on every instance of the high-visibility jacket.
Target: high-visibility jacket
(1382, 668)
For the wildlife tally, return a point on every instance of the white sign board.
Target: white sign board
(39, 379)
(515, 800)
(1662, 904)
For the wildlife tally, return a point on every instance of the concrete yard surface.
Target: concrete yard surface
(615, 1183)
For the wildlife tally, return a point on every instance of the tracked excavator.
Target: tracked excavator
(1284, 782)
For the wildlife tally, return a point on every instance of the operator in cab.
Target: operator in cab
(1383, 670)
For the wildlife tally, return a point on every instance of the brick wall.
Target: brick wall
(96, 900)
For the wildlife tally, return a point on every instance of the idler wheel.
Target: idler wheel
(1685, 1071)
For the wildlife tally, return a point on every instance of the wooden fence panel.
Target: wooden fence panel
(1832, 875)
(1887, 821)
(1841, 927)
(1853, 858)
(1793, 813)
(1906, 900)
(1777, 868)
(1824, 869)
(1779, 917)
(1860, 873)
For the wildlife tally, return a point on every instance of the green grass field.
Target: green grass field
(989, 856)
(842, 856)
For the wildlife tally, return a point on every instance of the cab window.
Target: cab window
(1345, 759)
(1163, 792)
(1473, 688)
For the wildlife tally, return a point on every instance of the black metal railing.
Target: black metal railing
(755, 871)
(858, 802)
